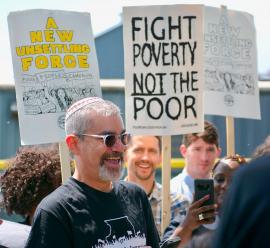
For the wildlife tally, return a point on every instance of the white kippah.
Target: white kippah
(80, 104)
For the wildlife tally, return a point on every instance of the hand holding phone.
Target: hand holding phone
(204, 187)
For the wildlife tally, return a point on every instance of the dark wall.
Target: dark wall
(110, 53)
(9, 127)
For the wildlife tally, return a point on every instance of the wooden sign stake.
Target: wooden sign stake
(230, 135)
(166, 176)
(65, 161)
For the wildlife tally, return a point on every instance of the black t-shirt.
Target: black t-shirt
(76, 215)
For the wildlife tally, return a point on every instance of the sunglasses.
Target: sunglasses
(110, 139)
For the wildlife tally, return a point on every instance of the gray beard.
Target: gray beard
(110, 175)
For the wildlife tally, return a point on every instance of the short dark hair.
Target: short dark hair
(209, 135)
(159, 143)
(32, 174)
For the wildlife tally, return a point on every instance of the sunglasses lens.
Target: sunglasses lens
(110, 140)
(125, 138)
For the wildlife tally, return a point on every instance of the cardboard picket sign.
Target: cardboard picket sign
(55, 64)
(230, 54)
(163, 50)
(231, 80)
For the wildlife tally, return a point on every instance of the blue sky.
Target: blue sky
(107, 13)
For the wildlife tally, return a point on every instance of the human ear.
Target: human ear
(218, 152)
(72, 142)
(183, 150)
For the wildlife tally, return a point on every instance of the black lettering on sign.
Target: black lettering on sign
(173, 27)
(153, 30)
(154, 107)
(189, 104)
(167, 109)
(189, 18)
(139, 104)
(164, 53)
(184, 81)
(159, 103)
(149, 84)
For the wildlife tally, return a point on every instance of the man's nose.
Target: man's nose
(145, 155)
(204, 155)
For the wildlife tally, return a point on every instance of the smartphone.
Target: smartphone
(171, 243)
(204, 187)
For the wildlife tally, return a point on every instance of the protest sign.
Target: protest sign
(163, 48)
(55, 64)
(231, 80)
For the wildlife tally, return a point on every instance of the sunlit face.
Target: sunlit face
(142, 157)
(101, 162)
(222, 176)
(199, 158)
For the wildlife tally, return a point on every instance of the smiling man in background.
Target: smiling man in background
(143, 155)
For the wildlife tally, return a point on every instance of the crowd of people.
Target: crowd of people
(96, 208)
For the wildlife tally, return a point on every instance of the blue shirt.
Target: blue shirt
(183, 184)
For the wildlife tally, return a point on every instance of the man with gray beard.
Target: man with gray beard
(93, 209)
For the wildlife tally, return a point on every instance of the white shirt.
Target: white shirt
(13, 235)
(183, 184)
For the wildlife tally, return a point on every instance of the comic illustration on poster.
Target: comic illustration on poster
(230, 52)
(54, 64)
(163, 51)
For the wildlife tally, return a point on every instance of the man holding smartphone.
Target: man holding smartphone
(200, 150)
